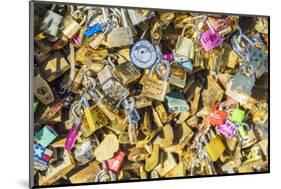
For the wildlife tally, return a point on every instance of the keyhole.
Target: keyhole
(42, 90)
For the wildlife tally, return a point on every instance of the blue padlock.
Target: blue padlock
(93, 30)
(176, 103)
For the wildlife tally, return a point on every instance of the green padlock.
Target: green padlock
(46, 136)
(237, 116)
(243, 129)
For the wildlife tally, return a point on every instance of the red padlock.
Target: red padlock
(116, 161)
(217, 117)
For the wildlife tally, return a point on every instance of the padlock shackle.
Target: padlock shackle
(84, 16)
(185, 27)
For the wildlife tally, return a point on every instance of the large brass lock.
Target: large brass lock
(71, 27)
(155, 88)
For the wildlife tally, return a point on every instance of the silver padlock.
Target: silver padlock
(240, 86)
(184, 45)
(84, 152)
(51, 23)
(253, 51)
(135, 17)
(121, 36)
(112, 88)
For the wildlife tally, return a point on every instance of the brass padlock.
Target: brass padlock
(54, 66)
(42, 91)
(54, 173)
(155, 88)
(71, 27)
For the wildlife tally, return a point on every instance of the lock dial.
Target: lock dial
(143, 54)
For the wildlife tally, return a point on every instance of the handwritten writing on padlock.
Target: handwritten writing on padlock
(116, 161)
(228, 129)
(155, 88)
(210, 40)
(217, 117)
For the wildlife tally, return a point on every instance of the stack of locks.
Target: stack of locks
(128, 94)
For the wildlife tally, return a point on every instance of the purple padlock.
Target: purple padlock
(71, 138)
(75, 39)
(210, 39)
(228, 129)
(168, 56)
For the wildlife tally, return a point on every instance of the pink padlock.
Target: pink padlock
(210, 39)
(75, 39)
(116, 161)
(69, 143)
(168, 56)
(228, 129)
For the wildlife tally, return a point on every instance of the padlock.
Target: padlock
(85, 54)
(42, 50)
(105, 175)
(213, 146)
(153, 159)
(87, 174)
(55, 172)
(176, 102)
(54, 66)
(228, 129)
(156, 32)
(178, 76)
(258, 58)
(100, 118)
(113, 89)
(217, 117)
(237, 116)
(46, 136)
(51, 23)
(92, 30)
(84, 152)
(155, 88)
(77, 113)
(262, 25)
(167, 139)
(253, 51)
(143, 54)
(210, 39)
(230, 57)
(41, 157)
(50, 112)
(184, 62)
(107, 148)
(116, 161)
(242, 83)
(184, 45)
(213, 93)
(221, 25)
(121, 36)
(101, 36)
(168, 164)
(42, 91)
(125, 72)
(88, 114)
(71, 27)
(135, 17)
(142, 101)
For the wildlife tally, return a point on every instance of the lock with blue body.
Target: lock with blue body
(176, 103)
(45, 136)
